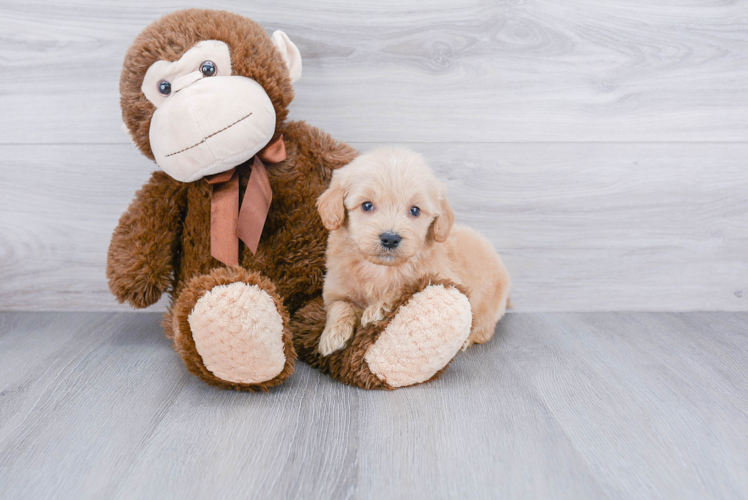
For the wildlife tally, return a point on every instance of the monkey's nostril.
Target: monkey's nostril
(389, 240)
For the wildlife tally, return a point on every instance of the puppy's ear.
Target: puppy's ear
(331, 206)
(443, 222)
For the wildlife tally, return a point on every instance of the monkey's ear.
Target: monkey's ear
(443, 222)
(331, 205)
(290, 54)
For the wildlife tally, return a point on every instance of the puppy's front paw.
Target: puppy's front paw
(334, 337)
(374, 313)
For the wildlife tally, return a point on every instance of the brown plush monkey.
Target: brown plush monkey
(228, 227)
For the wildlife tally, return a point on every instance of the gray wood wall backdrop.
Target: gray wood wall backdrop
(601, 146)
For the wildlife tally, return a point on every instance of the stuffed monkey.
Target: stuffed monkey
(228, 226)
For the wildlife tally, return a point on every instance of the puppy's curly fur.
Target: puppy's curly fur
(392, 191)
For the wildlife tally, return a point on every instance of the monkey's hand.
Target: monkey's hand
(141, 253)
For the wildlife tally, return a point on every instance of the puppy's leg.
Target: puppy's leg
(377, 312)
(479, 268)
(484, 324)
(489, 298)
(342, 317)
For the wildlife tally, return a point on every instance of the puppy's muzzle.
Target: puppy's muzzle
(389, 240)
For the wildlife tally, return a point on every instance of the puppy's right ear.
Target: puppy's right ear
(331, 205)
(443, 222)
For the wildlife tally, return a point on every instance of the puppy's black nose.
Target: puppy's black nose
(389, 240)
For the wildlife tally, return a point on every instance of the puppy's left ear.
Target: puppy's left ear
(443, 222)
(331, 204)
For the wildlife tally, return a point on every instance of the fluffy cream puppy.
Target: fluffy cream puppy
(391, 224)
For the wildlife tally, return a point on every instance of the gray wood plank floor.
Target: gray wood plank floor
(563, 405)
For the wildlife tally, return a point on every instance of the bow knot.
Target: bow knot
(228, 222)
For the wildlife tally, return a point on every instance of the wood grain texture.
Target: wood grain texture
(431, 71)
(581, 226)
(564, 405)
(600, 147)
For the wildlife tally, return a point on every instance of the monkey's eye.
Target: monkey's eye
(164, 87)
(208, 68)
(415, 211)
(367, 206)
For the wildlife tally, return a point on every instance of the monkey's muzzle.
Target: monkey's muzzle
(210, 125)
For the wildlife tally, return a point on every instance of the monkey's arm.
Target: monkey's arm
(143, 246)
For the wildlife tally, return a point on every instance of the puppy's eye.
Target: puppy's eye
(367, 206)
(415, 211)
(208, 68)
(164, 87)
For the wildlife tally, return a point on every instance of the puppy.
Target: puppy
(391, 224)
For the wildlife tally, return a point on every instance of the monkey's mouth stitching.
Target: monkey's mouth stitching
(211, 135)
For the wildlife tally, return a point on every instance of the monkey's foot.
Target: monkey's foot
(423, 337)
(231, 329)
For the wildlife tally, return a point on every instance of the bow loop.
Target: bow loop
(228, 222)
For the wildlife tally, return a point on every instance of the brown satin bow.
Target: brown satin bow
(229, 223)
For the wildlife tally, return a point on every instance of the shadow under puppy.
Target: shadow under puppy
(390, 225)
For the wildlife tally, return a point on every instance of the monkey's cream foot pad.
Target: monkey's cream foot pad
(238, 332)
(422, 338)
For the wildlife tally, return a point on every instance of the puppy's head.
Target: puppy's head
(390, 204)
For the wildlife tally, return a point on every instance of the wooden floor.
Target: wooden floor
(564, 405)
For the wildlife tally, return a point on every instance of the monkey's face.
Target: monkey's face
(207, 120)
(204, 91)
